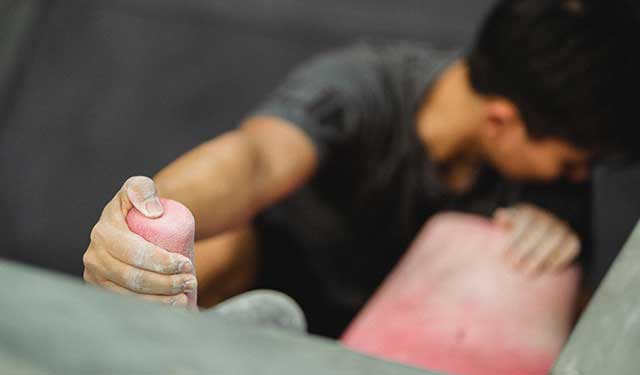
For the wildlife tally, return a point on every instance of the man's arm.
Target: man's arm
(229, 179)
(226, 265)
(321, 107)
(224, 182)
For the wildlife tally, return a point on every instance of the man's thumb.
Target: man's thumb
(141, 192)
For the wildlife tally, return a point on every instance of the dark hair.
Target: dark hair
(570, 67)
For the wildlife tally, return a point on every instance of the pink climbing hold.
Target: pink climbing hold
(453, 305)
(174, 231)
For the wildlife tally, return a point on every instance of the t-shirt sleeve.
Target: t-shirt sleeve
(333, 95)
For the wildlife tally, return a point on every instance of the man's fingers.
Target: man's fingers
(140, 192)
(540, 257)
(528, 233)
(89, 277)
(538, 241)
(116, 255)
(146, 282)
(521, 221)
(132, 249)
(503, 217)
(147, 256)
(175, 300)
(571, 249)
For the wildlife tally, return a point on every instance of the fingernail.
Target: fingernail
(185, 266)
(189, 285)
(153, 207)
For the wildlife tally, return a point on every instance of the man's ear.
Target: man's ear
(502, 118)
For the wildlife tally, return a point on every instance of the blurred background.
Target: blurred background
(92, 92)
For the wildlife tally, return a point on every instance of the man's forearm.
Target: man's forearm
(214, 181)
(227, 180)
(226, 265)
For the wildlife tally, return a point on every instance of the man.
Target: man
(349, 157)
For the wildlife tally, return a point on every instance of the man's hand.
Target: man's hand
(124, 262)
(538, 241)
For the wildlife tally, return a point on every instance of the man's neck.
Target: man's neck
(447, 124)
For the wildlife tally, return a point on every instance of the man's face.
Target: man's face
(520, 157)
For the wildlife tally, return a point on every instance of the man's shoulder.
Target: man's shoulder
(412, 66)
(413, 50)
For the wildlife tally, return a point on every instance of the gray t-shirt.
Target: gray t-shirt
(332, 242)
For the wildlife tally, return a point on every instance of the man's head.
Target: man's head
(558, 80)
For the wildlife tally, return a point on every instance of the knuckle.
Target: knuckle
(97, 233)
(575, 250)
(90, 261)
(575, 239)
(560, 230)
(526, 207)
(166, 264)
(183, 283)
(527, 217)
(149, 256)
(160, 259)
(87, 277)
(171, 263)
(106, 209)
(104, 283)
(574, 242)
(86, 257)
(516, 211)
(113, 287)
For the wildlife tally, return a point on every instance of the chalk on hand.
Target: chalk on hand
(174, 231)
